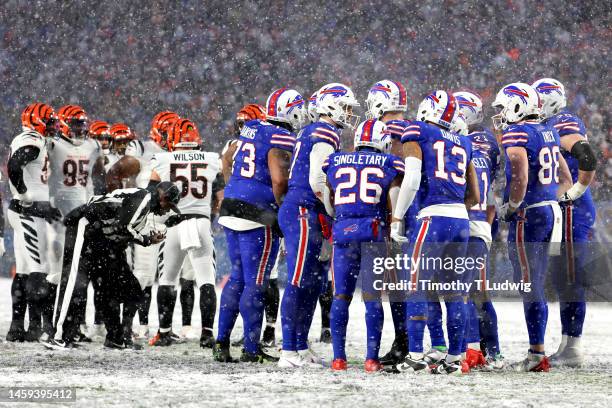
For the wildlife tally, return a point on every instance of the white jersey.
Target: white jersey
(144, 152)
(70, 171)
(35, 175)
(193, 172)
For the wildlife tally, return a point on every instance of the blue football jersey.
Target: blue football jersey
(485, 158)
(250, 179)
(361, 181)
(396, 127)
(542, 145)
(445, 159)
(300, 192)
(566, 123)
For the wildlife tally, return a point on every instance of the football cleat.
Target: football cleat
(15, 334)
(534, 363)
(81, 338)
(221, 353)
(33, 334)
(290, 359)
(456, 367)
(269, 337)
(259, 357)
(411, 365)
(475, 358)
(397, 354)
(570, 357)
(165, 339)
(339, 364)
(129, 344)
(372, 366)
(111, 345)
(495, 363)
(434, 356)
(207, 340)
(325, 336)
(53, 344)
(311, 358)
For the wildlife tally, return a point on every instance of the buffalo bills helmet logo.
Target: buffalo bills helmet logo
(350, 228)
(465, 102)
(547, 88)
(335, 91)
(433, 99)
(513, 90)
(297, 102)
(382, 89)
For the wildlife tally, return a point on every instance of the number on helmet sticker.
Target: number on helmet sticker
(549, 165)
(365, 185)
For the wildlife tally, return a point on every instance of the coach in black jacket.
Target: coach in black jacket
(97, 237)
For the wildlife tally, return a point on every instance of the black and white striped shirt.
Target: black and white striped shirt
(121, 215)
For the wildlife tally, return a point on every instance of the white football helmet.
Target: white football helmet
(439, 107)
(552, 96)
(470, 107)
(286, 106)
(373, 133)
(517, 101)
(459, 125)
(312, 108)
(386, 96)
(337, 101)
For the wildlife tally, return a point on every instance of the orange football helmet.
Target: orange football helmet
(248, 112)
(183, 133)
(100, 131)
(121, 134)
(41, 118)
(159, 127)
(73, 121)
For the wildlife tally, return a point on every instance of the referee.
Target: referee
(97, 236)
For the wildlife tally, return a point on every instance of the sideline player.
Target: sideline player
(189, 237)
(578, 219)
(365, 184)
(28, 214)
(299, 220)
(536, 174)
(249, 215)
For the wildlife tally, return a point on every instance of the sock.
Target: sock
(572, 318)
(289, 312)
(455, 325)
(375, 317)
(272, 301)
(251, 310)
(536, 316)
(339, 321)
(187, 300)
(398, 312)
(144, 306)
(308, 298)
(325, 301)
(472, 329)
(18, 295)
(488, 328)
(229, 306)
(47, 311)
(166, 299)
(416, 327)
(434, 325)
(208, 306)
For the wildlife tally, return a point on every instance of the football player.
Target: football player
(75, 164)
(360, 216)
(189, 237)
(536, 174)
(249, 214)
(481, 316)
(121, 134)
(135, 168)
(300, 222)
(29, 212)
(99, 130)
(439, 162)
(578, 219)
(387, 101)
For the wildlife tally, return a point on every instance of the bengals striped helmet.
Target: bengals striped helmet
(183, 133)
(159, 127)
(121, 131)
(249, 112)
(41, 118)
(100, 131)
(73, 121)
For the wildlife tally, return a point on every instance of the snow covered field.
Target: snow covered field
(185, 375)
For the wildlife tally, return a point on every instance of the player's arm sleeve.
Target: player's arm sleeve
(18, 160)
(396, 184)
(317, 177)
(98, 176)
(396, 129)
(283, 141)
(132, 213)
(409, 187)
(324, 135)
(327, 191)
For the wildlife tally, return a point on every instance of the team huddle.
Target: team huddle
(94, 204)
